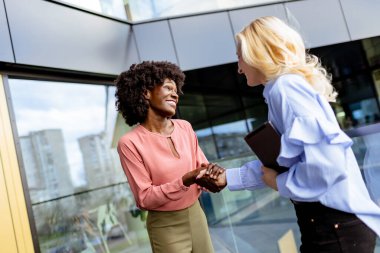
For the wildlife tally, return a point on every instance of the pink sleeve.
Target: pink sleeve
(147, 195)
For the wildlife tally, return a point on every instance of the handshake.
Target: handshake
(210, 176)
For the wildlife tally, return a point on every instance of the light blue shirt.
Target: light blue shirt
(322, 165)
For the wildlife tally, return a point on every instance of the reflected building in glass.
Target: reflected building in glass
(99, 166)
(46, 164)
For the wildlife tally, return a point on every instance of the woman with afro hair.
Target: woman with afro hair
(161, 158)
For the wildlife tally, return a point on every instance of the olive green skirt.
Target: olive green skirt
(183, 231)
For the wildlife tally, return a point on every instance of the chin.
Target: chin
(252, 84)
(171, 113)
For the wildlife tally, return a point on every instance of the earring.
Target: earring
(240, 71)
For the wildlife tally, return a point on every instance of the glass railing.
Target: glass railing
(100, 220)
(367, 151)
(262, 221)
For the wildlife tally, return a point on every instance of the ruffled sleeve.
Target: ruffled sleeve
(308, 130)
(315, 151)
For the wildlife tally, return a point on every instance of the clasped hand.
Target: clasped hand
(212, 178)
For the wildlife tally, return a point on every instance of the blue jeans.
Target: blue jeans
(327, 230)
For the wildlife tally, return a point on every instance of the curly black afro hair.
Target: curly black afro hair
(131, 86)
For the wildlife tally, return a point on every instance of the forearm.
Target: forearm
(309, 180)
(247, 177)
(154, 197)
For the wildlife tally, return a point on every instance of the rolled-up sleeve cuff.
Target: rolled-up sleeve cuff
(181, 185)
(234, 182)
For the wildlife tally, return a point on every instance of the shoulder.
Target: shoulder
(293, 94)
(292, 89)
(129, 139)
(291, 85)
(182, 124)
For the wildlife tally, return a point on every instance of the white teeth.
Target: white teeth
(172, 102)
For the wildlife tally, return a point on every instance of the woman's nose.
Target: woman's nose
(174, 93)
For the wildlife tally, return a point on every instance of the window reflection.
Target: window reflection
(353, 66)
(207, 142)
(230, 138)
(80, 199)
(113, 8)
(139, 10)
(148, 9)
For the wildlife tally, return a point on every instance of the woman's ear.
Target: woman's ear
(147, 94)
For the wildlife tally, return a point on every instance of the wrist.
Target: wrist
(224, 175)
(186, 181)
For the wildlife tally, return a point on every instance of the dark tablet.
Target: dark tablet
(265, 142)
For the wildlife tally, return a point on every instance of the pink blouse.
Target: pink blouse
(154, 173)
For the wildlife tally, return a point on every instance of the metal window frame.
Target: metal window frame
(18, 231)
(15, 232)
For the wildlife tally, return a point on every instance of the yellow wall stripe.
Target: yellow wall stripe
(15, 235)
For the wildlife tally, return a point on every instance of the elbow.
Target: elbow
(142, 199)
(340, 177)
(144, 203)
(147, 202)
(335, 176)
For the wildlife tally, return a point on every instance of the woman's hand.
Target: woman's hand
(213, 179)
(189, 178)
(269, 177)
(214, 170)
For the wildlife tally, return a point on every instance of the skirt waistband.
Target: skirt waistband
(305, 209)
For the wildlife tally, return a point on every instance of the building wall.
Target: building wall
(47, 34)
(58, 36)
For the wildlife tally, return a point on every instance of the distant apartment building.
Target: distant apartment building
(99, 165)
(46, 165)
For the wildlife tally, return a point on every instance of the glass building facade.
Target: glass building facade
(143, 10)
(62, 188)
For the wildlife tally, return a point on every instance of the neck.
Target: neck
(161, 125)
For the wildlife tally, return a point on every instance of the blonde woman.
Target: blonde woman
(333, 207)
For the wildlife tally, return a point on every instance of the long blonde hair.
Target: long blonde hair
(274, 48)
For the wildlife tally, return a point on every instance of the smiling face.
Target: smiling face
(163, 99)
(253, 75)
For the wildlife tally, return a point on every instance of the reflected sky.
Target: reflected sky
(77, 109)
(148, 9)
(140, 10)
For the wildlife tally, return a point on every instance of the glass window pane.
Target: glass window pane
(148, 9)
(349, 63)
(193, 109)
(81, 201)
(221, 105)
(141, 10)
(207, 142)
(229, 136)
(113, 8)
